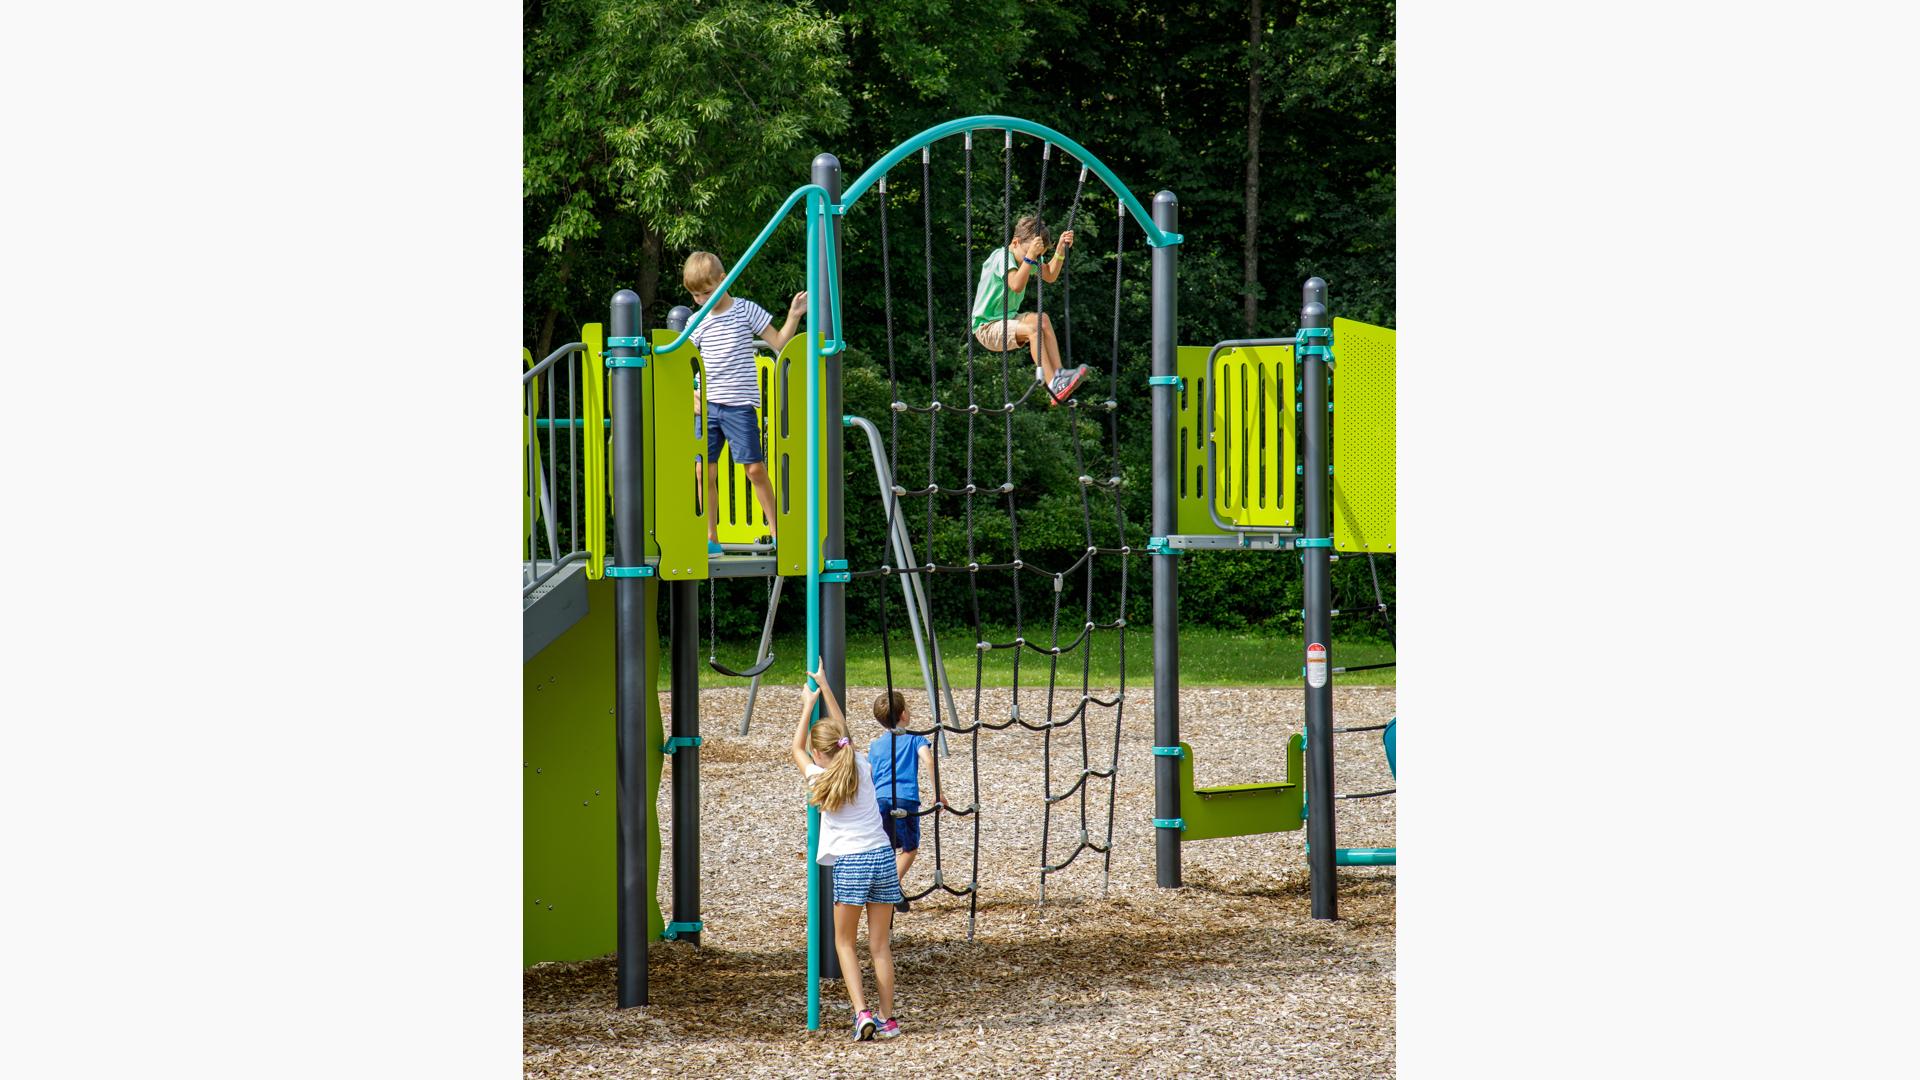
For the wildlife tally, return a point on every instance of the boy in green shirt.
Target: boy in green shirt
(997, 323)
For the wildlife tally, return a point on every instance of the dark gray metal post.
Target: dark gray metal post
(1318, 587)
(1166, 568)
(833, 595)
(684, 624)
(631, 685)
(678, 316)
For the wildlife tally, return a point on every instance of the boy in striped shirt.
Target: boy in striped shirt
(725, 340)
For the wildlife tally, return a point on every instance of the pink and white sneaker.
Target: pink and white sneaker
(864, 1026)
(890, 1029)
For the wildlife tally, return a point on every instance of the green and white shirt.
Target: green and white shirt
(991, 298)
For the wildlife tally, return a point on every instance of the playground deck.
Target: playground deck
(1227, 977)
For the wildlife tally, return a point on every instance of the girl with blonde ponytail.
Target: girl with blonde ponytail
(852, 842)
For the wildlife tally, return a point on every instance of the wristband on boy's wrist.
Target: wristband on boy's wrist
(1029, 262)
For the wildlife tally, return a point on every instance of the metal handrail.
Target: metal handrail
(542, 471)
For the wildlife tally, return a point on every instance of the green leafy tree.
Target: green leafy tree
(653, 128)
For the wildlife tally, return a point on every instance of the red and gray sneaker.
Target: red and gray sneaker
(1066, 382)
(864, 1026)
(888, 1030)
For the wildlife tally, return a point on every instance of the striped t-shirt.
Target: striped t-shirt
(725, 340)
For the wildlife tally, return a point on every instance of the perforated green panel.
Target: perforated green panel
(1253, 430)
(679, 529)
(1364, 457)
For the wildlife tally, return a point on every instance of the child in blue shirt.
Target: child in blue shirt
(897, 760)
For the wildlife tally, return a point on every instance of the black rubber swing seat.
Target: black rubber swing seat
(714, 663)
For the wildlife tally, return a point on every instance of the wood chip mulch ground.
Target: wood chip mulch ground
(1227, 976)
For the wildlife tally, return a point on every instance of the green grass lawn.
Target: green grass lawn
(1207, 658)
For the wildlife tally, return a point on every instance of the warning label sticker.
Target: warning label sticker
(1316, 665)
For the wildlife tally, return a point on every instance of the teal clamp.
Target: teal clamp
(675, 929)
(1325, 352)
(837, 571)
(1170, 751)
(1174, 381)
(1313, 541)
(1157, 545)
(629, 571)
(642, 344)
(1169, 823)
(847, 421)
(678, 741)
(1166, 240)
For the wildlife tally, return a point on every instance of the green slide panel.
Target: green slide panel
(1243, 809)
(567, 811)
(679, 528)
(1363, 437)
(1190, 443)
(1253, 429)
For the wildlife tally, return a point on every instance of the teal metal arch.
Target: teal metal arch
(1156, 237)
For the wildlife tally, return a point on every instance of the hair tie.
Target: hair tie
(842, 742)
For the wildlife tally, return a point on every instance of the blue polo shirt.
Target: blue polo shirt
(893, 754)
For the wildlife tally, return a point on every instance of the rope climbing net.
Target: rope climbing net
(1073, 796)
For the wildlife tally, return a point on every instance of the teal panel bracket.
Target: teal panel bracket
(629, 571)
(1170, 823)
(1325, 352)
(1167, 380)
(645, 347)
(675, 929)
(1157, 545)
(1170, 751)
(837, 571)
(679, 741)
(1313, 541)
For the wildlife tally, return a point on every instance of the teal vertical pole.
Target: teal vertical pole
(814, 456)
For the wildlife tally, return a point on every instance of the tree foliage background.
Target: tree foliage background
(654, 129)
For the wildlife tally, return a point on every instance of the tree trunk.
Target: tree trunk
(545, 345)
(1249, 297)
(649, 284)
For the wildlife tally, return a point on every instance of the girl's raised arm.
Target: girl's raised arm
(801, 758)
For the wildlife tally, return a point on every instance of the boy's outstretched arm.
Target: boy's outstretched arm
(927, 770)
(796, 311)
(801, 757)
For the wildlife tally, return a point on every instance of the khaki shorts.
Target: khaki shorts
(998, 335)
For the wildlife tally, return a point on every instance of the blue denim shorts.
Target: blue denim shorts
(903, 832)
(868, 877)
(737, 426)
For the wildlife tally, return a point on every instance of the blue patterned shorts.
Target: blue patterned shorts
(869, 877)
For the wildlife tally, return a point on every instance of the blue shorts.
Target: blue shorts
(737, 426)
(904, 832)
(866, 878)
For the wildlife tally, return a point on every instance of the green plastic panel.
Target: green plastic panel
(787, 451)
(741, 519)
(568, 829)
(1243, 809)
(678, 527)
(1363, 437)
(1253, 428)
(1190, 443)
